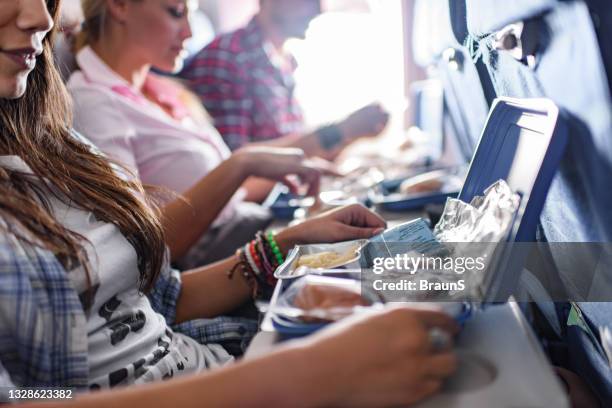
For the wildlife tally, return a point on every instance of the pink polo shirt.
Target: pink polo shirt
(172, 152)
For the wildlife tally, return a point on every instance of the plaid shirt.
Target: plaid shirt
(244, 88)
(43, 338)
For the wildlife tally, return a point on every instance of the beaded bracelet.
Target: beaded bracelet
(267, 249)
(275, 249)
(266, 255)
(256, 257)
(250, 260)
(267, 265)
(257, 262)
(246, 272)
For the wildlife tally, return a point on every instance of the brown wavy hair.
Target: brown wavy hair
(36, 127)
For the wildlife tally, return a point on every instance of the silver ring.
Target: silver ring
(439, 339)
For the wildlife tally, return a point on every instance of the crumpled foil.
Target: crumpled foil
(486, 219)
(469, 231)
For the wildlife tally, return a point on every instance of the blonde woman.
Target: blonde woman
(160, 132)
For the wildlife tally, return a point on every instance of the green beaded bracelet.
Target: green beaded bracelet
(275, 249)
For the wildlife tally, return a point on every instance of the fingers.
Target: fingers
(310, 172)
(374, 107)
(371, 219)
(358, 215)
(428, 388)
(314, 186)
(348, 232)
(384, 119)
(428, 332)
(309, 177)
(325, 167)
(277, 151)
(433, 318)
(441, 365)
(374, 115)
(355, 222)
(290, 182)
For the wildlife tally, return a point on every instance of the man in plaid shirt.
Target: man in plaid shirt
(245, 81)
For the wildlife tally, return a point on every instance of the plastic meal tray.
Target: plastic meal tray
(384, 196)
(282, 203)
(522, 143)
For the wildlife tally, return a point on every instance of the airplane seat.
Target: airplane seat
(553, 49)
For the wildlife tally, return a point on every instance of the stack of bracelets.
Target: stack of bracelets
(257, 262)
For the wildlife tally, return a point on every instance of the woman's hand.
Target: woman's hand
(284, 165)
(341, 224)
(384, 359)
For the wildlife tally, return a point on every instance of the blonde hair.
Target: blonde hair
(94, 13)
(94, 17)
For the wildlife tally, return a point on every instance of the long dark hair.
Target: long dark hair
(36, 127)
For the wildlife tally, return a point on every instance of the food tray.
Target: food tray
(288, 269)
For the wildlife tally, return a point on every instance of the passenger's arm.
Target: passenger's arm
(310, 143)
(257, 189)
(380, 359)
(327, 142)
(226, 95)
(265, 382)
(207, 291)
(188, 217)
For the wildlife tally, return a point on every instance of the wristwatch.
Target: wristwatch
(330, 136)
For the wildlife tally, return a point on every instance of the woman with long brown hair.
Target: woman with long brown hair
(87, 299)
